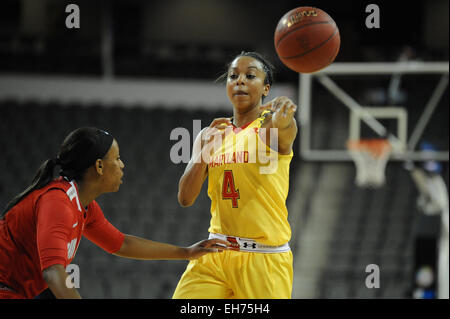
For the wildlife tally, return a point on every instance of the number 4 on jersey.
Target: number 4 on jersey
(229, 191)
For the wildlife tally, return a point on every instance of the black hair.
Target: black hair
(268, 68)
(80, 149)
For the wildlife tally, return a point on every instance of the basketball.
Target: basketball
(307, 39)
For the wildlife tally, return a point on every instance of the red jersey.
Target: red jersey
(45, 229)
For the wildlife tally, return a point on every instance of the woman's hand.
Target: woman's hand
(205, 247)
(140, 248)
(283, 121)
(283, 111)
(216, 126)
(213, 136)
(196, 171)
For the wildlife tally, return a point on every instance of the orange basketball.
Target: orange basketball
(307, 39)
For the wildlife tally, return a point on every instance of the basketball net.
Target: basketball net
(370, 157)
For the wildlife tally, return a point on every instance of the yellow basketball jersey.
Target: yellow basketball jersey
(248, 184)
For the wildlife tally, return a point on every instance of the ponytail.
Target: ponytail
(43, 176)
(80, 149)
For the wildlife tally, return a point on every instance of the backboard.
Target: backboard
(406, 102)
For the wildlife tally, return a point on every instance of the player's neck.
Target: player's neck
(241, 118)
(87, 192)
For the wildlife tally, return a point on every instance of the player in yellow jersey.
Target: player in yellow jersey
(248, 181)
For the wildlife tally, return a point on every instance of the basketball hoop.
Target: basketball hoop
(370, 157)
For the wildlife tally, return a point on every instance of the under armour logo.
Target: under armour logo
(253, 245)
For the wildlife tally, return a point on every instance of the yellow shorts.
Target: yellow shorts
(237, 275)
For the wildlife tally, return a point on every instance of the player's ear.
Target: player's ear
(266, 90)
(99, 166)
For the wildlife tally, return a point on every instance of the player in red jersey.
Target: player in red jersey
(41, 228)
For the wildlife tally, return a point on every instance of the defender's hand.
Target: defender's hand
(206, 246)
